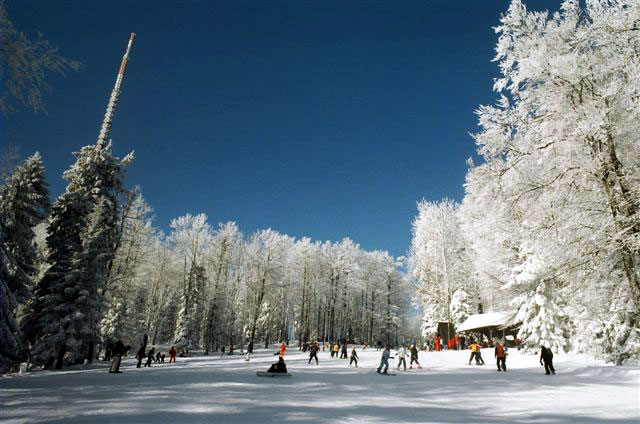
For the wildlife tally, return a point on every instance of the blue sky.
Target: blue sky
(319, 119)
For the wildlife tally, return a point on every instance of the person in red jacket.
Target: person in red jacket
(172, 354)
(501, 357)
(437, 344)
(283, 349)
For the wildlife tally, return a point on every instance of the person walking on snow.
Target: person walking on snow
(546, 356)
(283, 349)
(336, 349)
(501, 357)
(344, 354)
(313, 352)
(172, 354)
(149, 358)
(354, 357)
(402, 353)
(414, 357)
(475, 353)
(384, 361)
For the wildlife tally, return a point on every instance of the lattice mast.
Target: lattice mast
(115, 95)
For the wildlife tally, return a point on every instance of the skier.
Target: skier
(313, 352)
(402, 353)
(354, 357)
(344, 354)
(172, 354)
(414, 357)
(384, 361)
(546, 356)
(117, 351)
(501, 357)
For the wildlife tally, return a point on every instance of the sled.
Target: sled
(115, 365)
(272, 374)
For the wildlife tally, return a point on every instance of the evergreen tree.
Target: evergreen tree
(63, 315)
(459, 307)
(24, 202)
(191, 314)
(9, 342)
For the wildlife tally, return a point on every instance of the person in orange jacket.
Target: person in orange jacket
(501, 357)
(283, 349)
(436, 342)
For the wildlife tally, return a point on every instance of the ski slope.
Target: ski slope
(226, 390)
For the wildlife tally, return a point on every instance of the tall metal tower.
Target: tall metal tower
(115, 94)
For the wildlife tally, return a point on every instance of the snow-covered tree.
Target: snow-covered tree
(557, 196)
(62, 316)
(438, 260)
(24, 202)
(460, 307)
(191, 237)
(24, 64)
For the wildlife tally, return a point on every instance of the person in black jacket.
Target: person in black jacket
(414, 357)
(354, 357)
(117, 351)
(279, 367)
(150, 357)
(343, 353)
(546, 359)
(313, 352)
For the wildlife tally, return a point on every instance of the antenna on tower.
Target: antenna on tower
(115, 94)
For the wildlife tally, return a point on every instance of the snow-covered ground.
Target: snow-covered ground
(227, 390)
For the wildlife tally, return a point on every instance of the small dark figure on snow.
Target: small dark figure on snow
(546, 359)
(279, 367)
(149, 358)
(140, 356)
(501, 357)
(343, 353)
(313, 352)
(172, 354)
(141, 352)
(354, 357)
(158, 357)
(384, 361)
(117, 352)
(414, 357)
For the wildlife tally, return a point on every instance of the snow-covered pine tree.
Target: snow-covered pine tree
(62, 316)
(191, 313)
(24, 202)
(544, 321)
(460, 308)
(10, 346)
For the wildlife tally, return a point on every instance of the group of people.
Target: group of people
(402, 361)
(118, 350)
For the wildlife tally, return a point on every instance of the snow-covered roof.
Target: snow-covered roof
(491, 319)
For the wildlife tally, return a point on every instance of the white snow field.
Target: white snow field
(211, 389)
